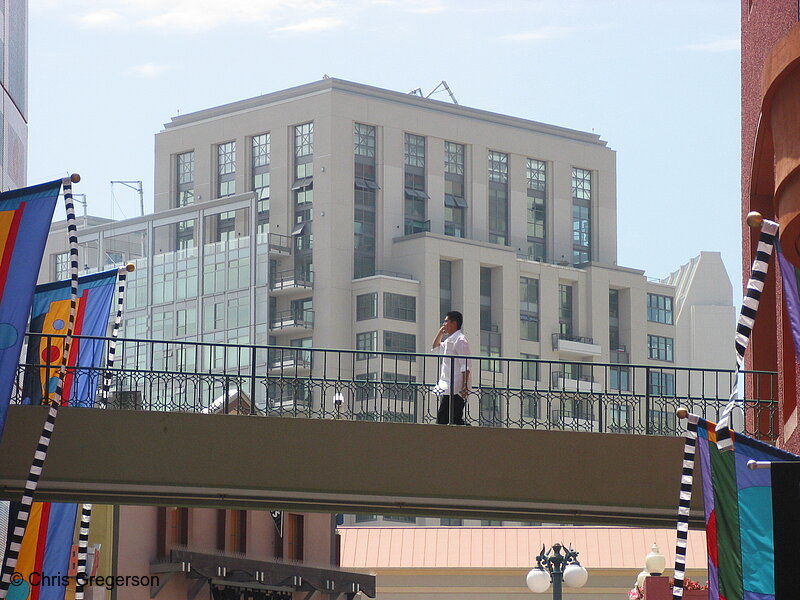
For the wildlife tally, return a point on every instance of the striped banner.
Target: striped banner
(39, 457)
(86, 509)
(684, 503)
(747, 317)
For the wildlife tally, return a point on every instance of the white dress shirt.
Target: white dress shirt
(454, 344)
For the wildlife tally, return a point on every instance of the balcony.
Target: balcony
(567, 382)
(569, 345)
(414, 226)
(292, 320)
(280, 245)
(290, 281)
(289, 362)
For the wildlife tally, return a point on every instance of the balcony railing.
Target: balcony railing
(291, 279)
(286, 319)
(395, 386)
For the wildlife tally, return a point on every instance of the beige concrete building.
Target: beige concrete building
(339, 215)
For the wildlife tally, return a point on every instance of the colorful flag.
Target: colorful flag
(49, 317)
(43, 561)
(746, 517)
(790, 276)
(25, 216)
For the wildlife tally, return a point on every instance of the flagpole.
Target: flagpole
(747, 316)
(39, 457)
(86, 509)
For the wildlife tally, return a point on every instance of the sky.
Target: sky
(657, 79)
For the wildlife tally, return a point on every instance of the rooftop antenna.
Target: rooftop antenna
(136, 186)
(442, 85)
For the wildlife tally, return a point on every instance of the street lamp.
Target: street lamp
(557, 568)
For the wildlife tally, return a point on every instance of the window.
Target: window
(445, 287)
(226, 226)
(486, 299)
(303, 191)
(365, 191)
(530, 368)
(414, 155)
(366, 306)
(185, 322)
(61, 263)
(491, 407)
(260, 157)
(304, 140)
(529, 309)
(415, 196)
(184, 178)
(661, 383)
(364, 142)
(400, 307)
(581, 216)
(184, 234)
(659, 309)
(619, 378)
(226, 169)
(537, 212)
(455, 204)
(565, 324)
(662, 422)
(394, 341)
(446, 522)
(620, 418)
(498, 198)
(399, 519)
(659, 348)
(214, 316)
(613, 321)
(367, 342)
(530, 406)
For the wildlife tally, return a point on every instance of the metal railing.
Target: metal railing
(291, 381)
(289, 279)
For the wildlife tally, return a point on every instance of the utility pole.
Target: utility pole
(136, 186)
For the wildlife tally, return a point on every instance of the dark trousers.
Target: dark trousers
(443, 416)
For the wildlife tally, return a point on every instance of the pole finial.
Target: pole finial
(75, 178)
(754, 219)
(682, 412)
(130, 267)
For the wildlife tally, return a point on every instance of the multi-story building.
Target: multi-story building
(14, 84)
(770, 167)
(338, 215)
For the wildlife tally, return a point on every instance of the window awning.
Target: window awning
(303, 183)
(299, 229)
(412, 193)
(454, 201)
(366, 184)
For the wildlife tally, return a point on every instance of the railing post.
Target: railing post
(452, 390)
(647, 426)
(252, 380)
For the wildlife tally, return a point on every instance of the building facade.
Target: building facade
(492, 562)
(770, 176)
(14, 84)
(339, 215)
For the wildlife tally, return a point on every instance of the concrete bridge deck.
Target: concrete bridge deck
(249, 462)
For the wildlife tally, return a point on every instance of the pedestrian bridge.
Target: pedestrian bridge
(332, 437)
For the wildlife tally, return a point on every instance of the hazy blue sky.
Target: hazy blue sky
(657, 79)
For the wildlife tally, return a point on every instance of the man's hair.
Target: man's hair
(456, 316)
